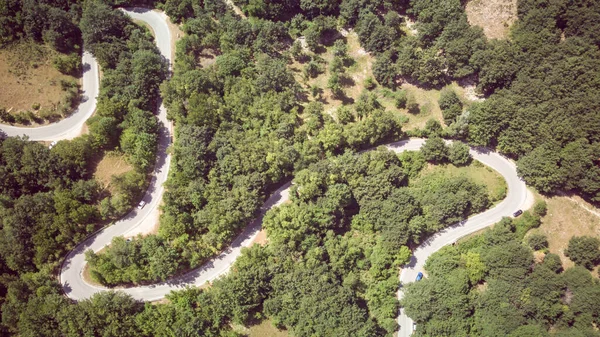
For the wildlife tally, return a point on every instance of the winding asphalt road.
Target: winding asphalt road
(144, 221)
(139, 221)
(517, 198)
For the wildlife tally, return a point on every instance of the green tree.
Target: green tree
(583, 250)
(537, 241)
(458, 153)
(435, 150)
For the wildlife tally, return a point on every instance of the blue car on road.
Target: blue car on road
(419, 276)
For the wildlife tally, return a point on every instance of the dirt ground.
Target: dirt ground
(109, 165)
(568, 216)
(27, 77)
(494, 16)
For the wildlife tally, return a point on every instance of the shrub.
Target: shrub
(540, 208)
(583, 251)
(537, 241)
(370, 83)
(5, 116)
(458, 154)
(69, 65)
(411, 104)
(312, 70)
(401, 99)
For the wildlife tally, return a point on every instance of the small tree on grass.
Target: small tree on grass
(334, 84)
(537, 241)
(411, 104)
(583, 250)
(450, 104)
(435, 150)
(340, 48)
(540, 208)
(401, 99)
(458, 154)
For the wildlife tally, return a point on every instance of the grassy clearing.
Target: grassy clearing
(29, 80)
(476, 171)
(568, 216)
(494, 16)
(111, 164)
(263, 329)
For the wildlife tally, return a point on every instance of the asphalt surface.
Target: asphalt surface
(516, 199)
(77, 288)
(144, 221)
(71, 126)
(138, 221)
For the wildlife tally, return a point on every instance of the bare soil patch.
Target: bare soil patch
(28, 79)
(111, 164)
(261, 238)
(494, 16)
(568, 217)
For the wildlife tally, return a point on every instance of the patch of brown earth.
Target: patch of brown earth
(494, 16)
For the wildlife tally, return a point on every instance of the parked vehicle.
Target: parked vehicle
(419, 276)
(414, 326)
(52, 145)
(517, 213)
(141, 204)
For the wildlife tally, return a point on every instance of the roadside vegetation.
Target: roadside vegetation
(500, 283)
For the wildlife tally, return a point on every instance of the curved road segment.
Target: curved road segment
(144, 221)
(69, 127)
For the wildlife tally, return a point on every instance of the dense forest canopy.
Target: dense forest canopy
(244, 126)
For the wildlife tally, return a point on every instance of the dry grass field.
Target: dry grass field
(494, 16)
(27, 77)
(568, 216)
(111, 164)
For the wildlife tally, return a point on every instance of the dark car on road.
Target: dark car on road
(419, 276)
(517, 213)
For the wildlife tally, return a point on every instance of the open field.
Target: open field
(358, 70)
(111, 164)
(568, 216)
(28, 79)
(494, 16)
(478, 172)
